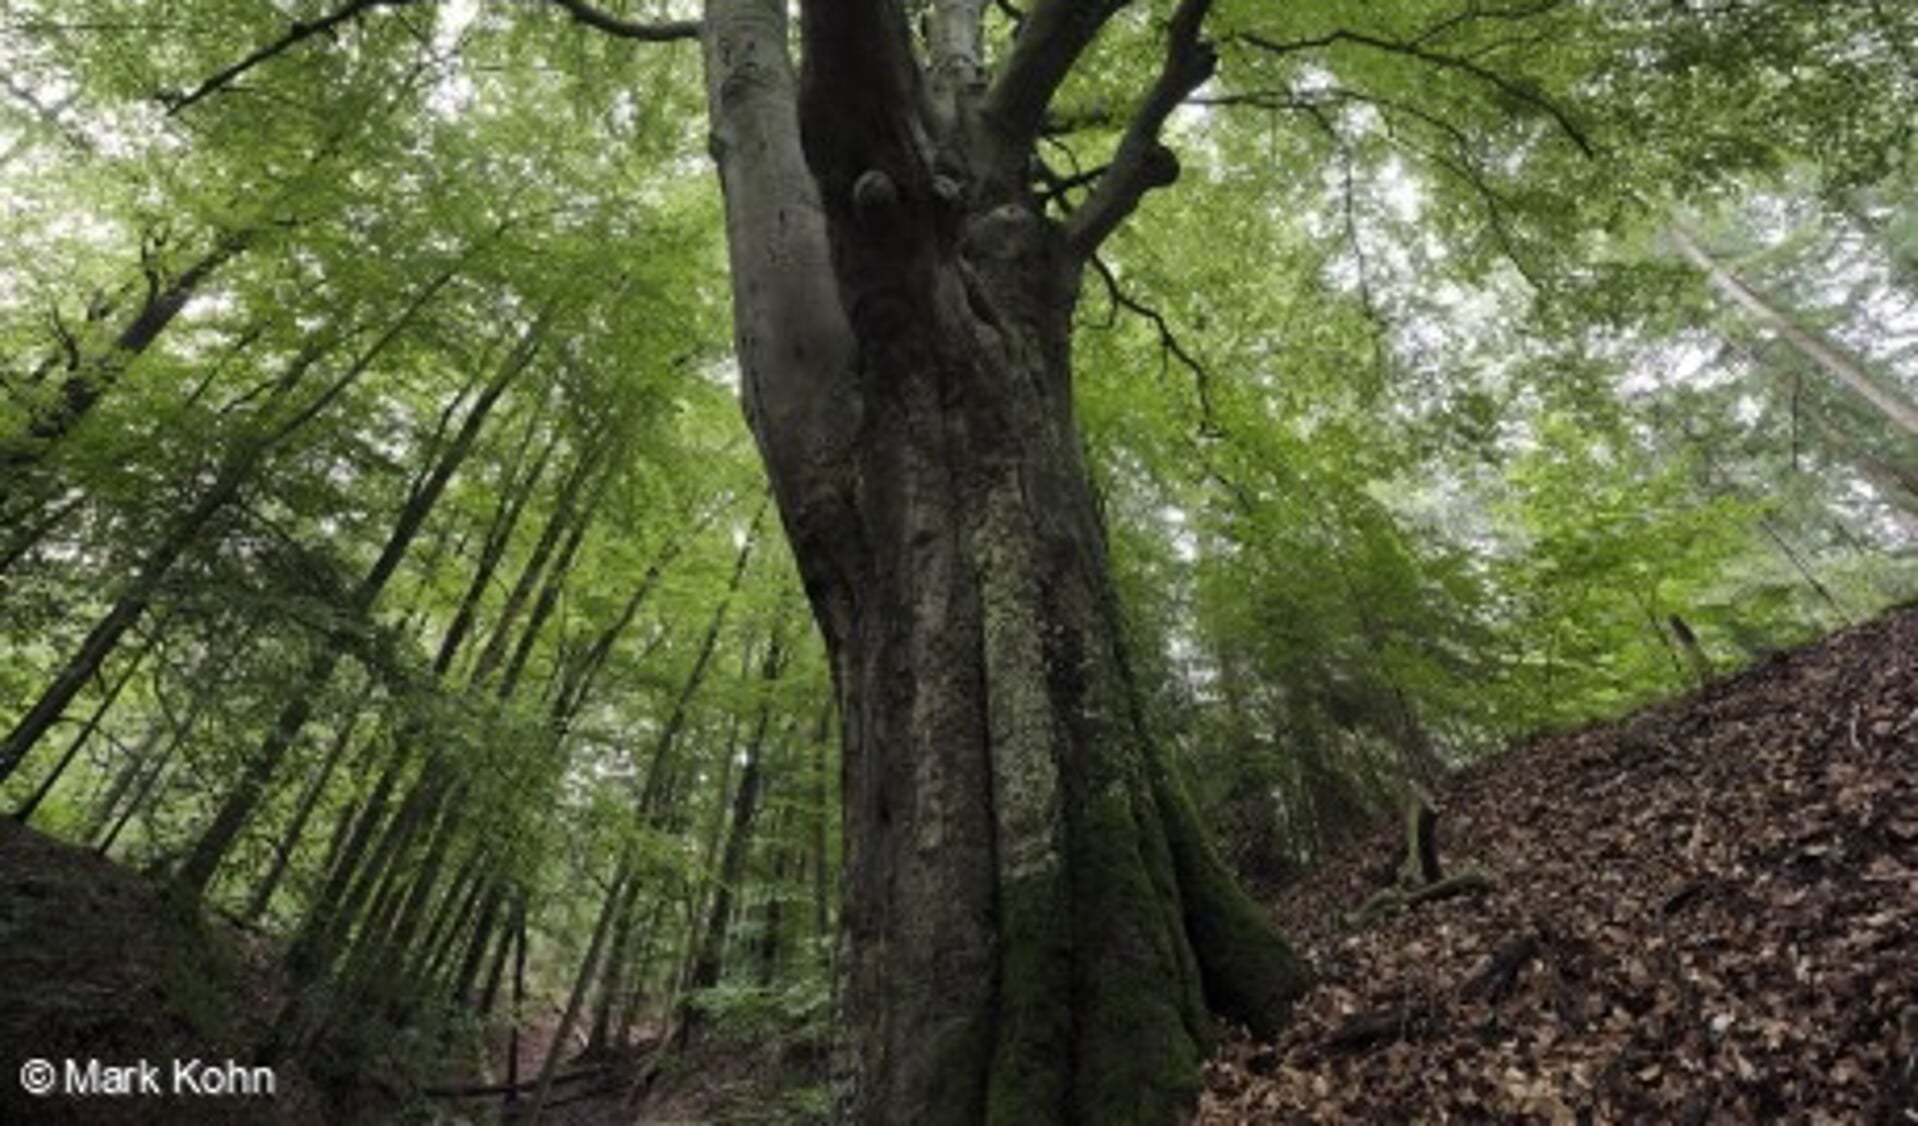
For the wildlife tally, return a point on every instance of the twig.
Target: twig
(1169, 345)
(1515, 90)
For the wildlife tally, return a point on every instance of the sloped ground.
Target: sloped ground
(95, 966)
(1707, 912)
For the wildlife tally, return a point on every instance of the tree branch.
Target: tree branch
(302, 30)
(295, 34)
(957, 46)
(663, 32)
(864, 105)
(1051, 38)
(1475, 14)
(1465, 167)
(1169, 346)
(1142, 162)
(1518, 91)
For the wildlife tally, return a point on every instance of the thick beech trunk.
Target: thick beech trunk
(1034, 923)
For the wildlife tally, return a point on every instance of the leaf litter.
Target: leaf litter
(1705, 912)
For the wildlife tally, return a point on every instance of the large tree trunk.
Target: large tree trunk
(1034, 923)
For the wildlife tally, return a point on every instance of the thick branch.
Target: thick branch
(1142, 162)
(957, 44)
(794, 343)
(862, 98)
(1051, 38)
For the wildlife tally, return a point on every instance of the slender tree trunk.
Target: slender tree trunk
(1847, 371)
(772, 908)
(148, 787)
(474, 958)
(499, 535)
(90, 377)
(614, 974)
(208, 676)
(191, 881)
(513, 935)
(352, 836)
(289, 839)
(130, 772)
(582, 981)
(384, 942)
(237, 467)
(148, 791)
(456, 912)
(126, 612)
(546, 603)
(732, 867)
(635, 988)
(519, 998)
(558, 524)
(24, 814)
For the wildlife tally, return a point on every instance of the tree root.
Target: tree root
(1421, 879)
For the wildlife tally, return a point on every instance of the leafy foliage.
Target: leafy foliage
(1413, 434)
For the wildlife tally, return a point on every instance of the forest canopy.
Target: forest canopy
(388, 567)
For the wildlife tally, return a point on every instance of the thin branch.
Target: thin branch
(1142, 162)
(663, 32)
(1465, 167)
(295, 34)
(1473, 13)
(1516, 90)
(1169, 345)
(1056, 186)
(49, 116)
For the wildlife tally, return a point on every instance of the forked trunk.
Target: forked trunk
(1034, 924)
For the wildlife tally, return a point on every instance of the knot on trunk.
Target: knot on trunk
(1161, 166)
(874, 195)
(1001, 234)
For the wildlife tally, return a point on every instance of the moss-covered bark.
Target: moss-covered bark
(1034, 924)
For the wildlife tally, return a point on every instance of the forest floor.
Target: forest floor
(1705, 912)
(95, 965)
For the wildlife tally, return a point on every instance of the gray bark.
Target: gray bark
(1034, 923)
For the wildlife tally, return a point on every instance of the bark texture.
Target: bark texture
(1034, 924)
